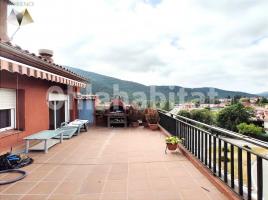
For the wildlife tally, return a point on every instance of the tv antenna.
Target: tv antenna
(19, 19)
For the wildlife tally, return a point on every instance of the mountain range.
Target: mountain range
(263, 94)
(102, 83)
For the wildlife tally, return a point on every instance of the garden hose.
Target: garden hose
(23, 175)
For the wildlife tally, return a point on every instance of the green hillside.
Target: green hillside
(101, 83)
(263, 94)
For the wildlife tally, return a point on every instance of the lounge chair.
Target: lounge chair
(78, 123)
(68, 132)
(47, 138)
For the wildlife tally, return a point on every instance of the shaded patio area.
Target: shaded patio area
(112, 164)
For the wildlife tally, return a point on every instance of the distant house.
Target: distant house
(266, 124)
(35, 93)
(266, 120)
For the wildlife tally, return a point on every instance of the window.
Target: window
(7, 109)
(7, 119)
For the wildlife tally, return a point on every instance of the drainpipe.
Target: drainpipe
(3, 20)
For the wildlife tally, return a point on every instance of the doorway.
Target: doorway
(58, 110)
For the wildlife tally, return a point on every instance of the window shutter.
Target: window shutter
(8, 98)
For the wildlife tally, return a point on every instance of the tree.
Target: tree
(236, 99)
(250, 129)
(217, 101)
(184, 113)
(158, 104)
(263, 101)
(203, 115)
(232, 116)
(245, 99)
(166, 106)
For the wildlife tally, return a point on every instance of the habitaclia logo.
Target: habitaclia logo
(21, 3)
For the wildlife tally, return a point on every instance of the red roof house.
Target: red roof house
(35, 93)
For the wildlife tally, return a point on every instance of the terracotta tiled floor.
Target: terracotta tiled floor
(111, 164)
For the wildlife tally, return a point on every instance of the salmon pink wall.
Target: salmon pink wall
(35, 112)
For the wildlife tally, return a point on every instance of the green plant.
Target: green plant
(152, 116)
(173, 140)
(250, 129)
(228, 149)
(246, 146)
(134, 114)
(184, 113)
(223, 159)
(202, 115)
(232, 116)
(167, 106)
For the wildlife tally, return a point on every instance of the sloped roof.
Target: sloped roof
(16, 53)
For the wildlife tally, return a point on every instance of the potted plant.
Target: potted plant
(143, 117)
(172, 142)
(152, 118)
(134, 117)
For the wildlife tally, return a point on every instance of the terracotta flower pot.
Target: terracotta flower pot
(145, 124)
(135, 124)
(153, 127)
(172, 147)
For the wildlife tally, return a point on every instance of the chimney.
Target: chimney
(3, 20)
(47, 54)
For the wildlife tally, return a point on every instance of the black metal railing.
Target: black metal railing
(217, 150)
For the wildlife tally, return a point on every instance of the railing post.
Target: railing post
(180, 129)
(189, 138)
(249, 174)
(199, 144)
(195, 142)
(176, 128)
(214, 154)
(209, 151)
(206, 149)
(219, 157)
(192, 140)
(240, 171)
(232, 166)
(202, 146)
(225, 161)
(259, 178)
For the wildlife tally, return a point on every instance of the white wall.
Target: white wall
(266, 125)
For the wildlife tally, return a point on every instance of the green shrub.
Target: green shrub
(184, 113)
(250, 129)
(202, 115)
(228, 149)
(232, 116)
(223, 159)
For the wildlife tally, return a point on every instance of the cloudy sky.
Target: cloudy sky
(191, 43)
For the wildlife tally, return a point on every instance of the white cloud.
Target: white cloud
(191, 43)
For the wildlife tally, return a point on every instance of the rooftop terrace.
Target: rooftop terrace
(112, 164)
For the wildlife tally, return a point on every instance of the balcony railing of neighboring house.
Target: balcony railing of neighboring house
(211, 146)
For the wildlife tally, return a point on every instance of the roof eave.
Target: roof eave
(15, 53)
